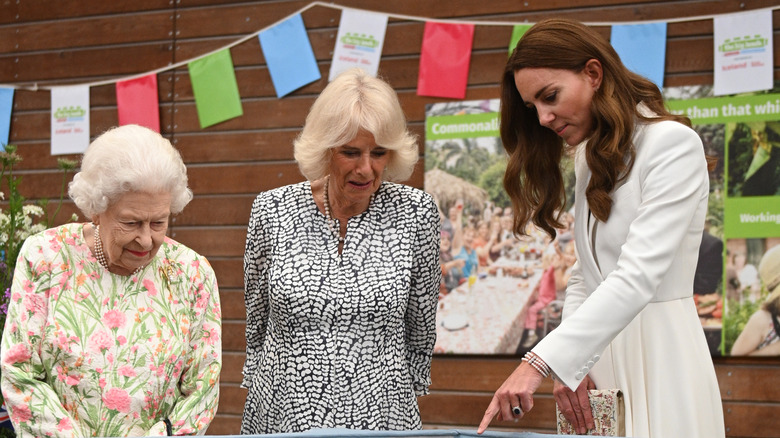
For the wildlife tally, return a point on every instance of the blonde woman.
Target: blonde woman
(342, 274)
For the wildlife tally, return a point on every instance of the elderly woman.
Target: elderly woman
(342, 274)
(113, 329)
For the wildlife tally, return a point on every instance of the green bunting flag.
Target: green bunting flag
(215, 88)
(518, 31)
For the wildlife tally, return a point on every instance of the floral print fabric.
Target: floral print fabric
(89, 353)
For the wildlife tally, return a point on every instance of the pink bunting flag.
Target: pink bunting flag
(445, 59)
(137, 102)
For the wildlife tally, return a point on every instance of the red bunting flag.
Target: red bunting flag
(137, 102)
(445, 58)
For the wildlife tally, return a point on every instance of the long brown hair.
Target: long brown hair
(533, 176)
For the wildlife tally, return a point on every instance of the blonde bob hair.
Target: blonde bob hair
(129, 158)
(352, 102)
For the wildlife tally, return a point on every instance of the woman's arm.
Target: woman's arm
(421, 309)
(199, 383)
(458, 263)
(256, 257)
(32, 403)
(658, 214)
(752, 334)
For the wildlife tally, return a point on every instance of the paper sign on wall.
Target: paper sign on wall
(743, 52)
(359, 42)
(69, 119)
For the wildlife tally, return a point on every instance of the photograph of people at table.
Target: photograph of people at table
(342, 274)
(642, 185)
(496, 296)
(114, 329)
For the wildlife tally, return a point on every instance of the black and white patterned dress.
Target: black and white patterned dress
(339, 340)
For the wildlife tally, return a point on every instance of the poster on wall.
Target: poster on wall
(739, 316)
(501, 294)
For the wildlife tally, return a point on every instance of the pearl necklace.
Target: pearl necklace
(101, 257)
(336, 231)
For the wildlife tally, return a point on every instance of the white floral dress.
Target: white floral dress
(89, 353)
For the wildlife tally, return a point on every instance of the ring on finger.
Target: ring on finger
(517, 410)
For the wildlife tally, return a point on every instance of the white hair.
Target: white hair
(129, 158)
(356, 101)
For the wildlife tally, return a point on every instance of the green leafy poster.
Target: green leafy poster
(743, 131)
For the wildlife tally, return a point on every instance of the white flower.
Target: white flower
(26, 222)
(31, 209)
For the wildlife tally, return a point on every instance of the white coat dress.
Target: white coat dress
(629, 319)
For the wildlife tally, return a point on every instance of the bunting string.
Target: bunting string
(36, 87)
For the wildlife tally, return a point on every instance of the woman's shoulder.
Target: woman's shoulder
(760, 318)
(667, 137)
(285, 195)
(67, 234)
(402, 193)
(60, 242)
(289, 191)
(663, 126)
(667, 128)
(174, 251)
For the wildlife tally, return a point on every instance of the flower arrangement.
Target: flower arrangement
(19, 220)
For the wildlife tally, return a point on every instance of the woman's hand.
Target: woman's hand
(575, 405)
(516, 391)
(158, 429)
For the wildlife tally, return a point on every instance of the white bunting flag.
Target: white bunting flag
(359, 42)
(69, 120)
(743, 52)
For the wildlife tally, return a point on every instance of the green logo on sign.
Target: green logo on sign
(746, 43)
(361, 40)
(69, 112)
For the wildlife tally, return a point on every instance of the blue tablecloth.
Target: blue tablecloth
(405, 433)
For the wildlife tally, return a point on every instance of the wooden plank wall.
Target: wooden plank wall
(51, 42)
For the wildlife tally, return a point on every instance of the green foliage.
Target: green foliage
(749, 140)
(715, 210)
(740, 152)
(464, 159)
(474, 163)
(492, 180)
